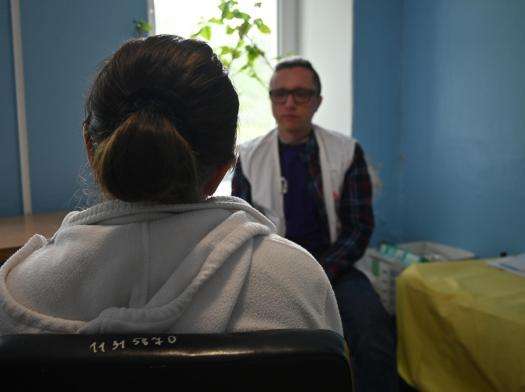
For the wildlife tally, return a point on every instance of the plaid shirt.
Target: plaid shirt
(354, 209)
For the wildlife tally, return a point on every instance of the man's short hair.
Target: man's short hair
(293, 62)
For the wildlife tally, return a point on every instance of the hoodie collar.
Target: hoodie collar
(112, 209)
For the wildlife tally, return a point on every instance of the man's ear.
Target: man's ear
(318, 103)
(213, 183)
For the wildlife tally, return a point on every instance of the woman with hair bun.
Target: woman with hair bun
(159, 254)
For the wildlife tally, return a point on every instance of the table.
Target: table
(461, 327)
(15, 231)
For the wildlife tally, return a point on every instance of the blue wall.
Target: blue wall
(63, 43)
(10, 191)
(443, 115)
(463, 124)
(377, 106)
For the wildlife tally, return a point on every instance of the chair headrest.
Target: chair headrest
(243, 360)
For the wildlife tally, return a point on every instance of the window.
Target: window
(182, 18)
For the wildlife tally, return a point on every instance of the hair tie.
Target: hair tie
(159, 100)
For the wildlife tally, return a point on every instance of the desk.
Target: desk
(461, 327)
(16, 230)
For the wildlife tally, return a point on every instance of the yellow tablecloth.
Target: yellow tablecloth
(461, 327)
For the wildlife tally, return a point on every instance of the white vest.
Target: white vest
(261, 166)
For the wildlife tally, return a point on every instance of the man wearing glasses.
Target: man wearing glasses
(314, 185)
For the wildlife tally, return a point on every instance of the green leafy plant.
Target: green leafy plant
(142, 27)
(244, 54)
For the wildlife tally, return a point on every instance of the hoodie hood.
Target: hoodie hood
(127, 267)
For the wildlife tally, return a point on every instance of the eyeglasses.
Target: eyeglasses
(300, 95)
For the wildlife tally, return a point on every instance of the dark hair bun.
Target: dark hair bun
(146, 158)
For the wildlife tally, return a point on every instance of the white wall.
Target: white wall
(325, 38)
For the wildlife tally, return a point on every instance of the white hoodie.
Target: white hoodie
(117, 267)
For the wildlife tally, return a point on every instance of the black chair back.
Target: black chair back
(289, 360)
